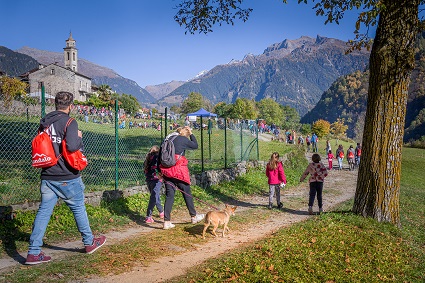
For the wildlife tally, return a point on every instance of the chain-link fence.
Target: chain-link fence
(115, 146)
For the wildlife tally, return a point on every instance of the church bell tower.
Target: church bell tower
(71, 54)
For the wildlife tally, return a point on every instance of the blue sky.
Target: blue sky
(140, 40)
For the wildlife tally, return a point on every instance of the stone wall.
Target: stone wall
(203, 180)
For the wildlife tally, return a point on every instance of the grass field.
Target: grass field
(113, 159)
(336, 247)
(333, 247)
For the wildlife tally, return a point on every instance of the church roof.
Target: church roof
(38, 69)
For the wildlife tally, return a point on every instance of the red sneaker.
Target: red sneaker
(97, 243)
(36, 259)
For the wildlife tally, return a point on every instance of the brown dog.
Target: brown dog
(218, 218)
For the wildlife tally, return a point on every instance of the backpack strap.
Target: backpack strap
(64, 131)
(66, 126)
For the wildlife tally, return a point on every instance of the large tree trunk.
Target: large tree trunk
(391, 62)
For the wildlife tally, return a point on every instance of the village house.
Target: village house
(56, 78)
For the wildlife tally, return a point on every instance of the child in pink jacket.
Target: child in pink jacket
(317, 172)
(331, 157)
(277, 178)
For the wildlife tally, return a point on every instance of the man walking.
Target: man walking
(314, 141)
(61, 181)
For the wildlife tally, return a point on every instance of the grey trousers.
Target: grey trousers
(272, 190)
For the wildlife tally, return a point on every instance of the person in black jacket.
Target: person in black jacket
(61, 181)
(177, 176)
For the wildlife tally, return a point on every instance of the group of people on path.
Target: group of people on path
(312, 141)
(353, 156)
(277, 180)
(61, 181)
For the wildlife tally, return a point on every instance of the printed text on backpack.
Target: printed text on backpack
(43, 153)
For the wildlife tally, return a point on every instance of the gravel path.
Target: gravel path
(339, 187)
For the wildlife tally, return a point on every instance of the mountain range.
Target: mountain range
(292, 72)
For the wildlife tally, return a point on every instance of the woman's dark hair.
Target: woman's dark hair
(316, 158)
(63, 99)
(154, 150)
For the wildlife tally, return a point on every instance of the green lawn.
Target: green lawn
(336, 247)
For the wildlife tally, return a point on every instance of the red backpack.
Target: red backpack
(75, 159)
(341, 154)
(359, 151)
(43, 153)
(350, 154)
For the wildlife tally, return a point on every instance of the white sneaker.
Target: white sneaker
(168, 225)
(197, 218)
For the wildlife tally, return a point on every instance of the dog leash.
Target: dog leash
(204, 202)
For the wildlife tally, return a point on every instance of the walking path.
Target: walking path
(339, 187)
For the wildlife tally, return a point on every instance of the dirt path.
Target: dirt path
(339, 186)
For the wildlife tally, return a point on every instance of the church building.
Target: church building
(57, 78)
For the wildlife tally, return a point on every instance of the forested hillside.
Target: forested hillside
(347, 98)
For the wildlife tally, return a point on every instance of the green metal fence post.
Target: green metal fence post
(258, 149)
(202, 147)
(116, 145)
(241, 125)
(166, 121)
(209, 143)
(225, 143)
(43, 100)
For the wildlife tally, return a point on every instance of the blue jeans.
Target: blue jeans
(340, 162)
(72, 193)
(155, 200)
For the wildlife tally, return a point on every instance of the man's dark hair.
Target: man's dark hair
(63, 99)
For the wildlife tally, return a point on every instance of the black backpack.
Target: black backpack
(167, 156)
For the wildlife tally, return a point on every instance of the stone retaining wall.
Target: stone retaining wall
(203, 180)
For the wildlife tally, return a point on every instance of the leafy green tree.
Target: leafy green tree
(339, 129)
(251, 111)
(237, 110)
(305, 129)
(194, 102)
(291, 118)
(243, 109)
(270, 111)
(391, 63)
(321, 128)
(222, 109)
(176, 109)
(96, 102)
(129, 103)
(11, 88)
(105, 92)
